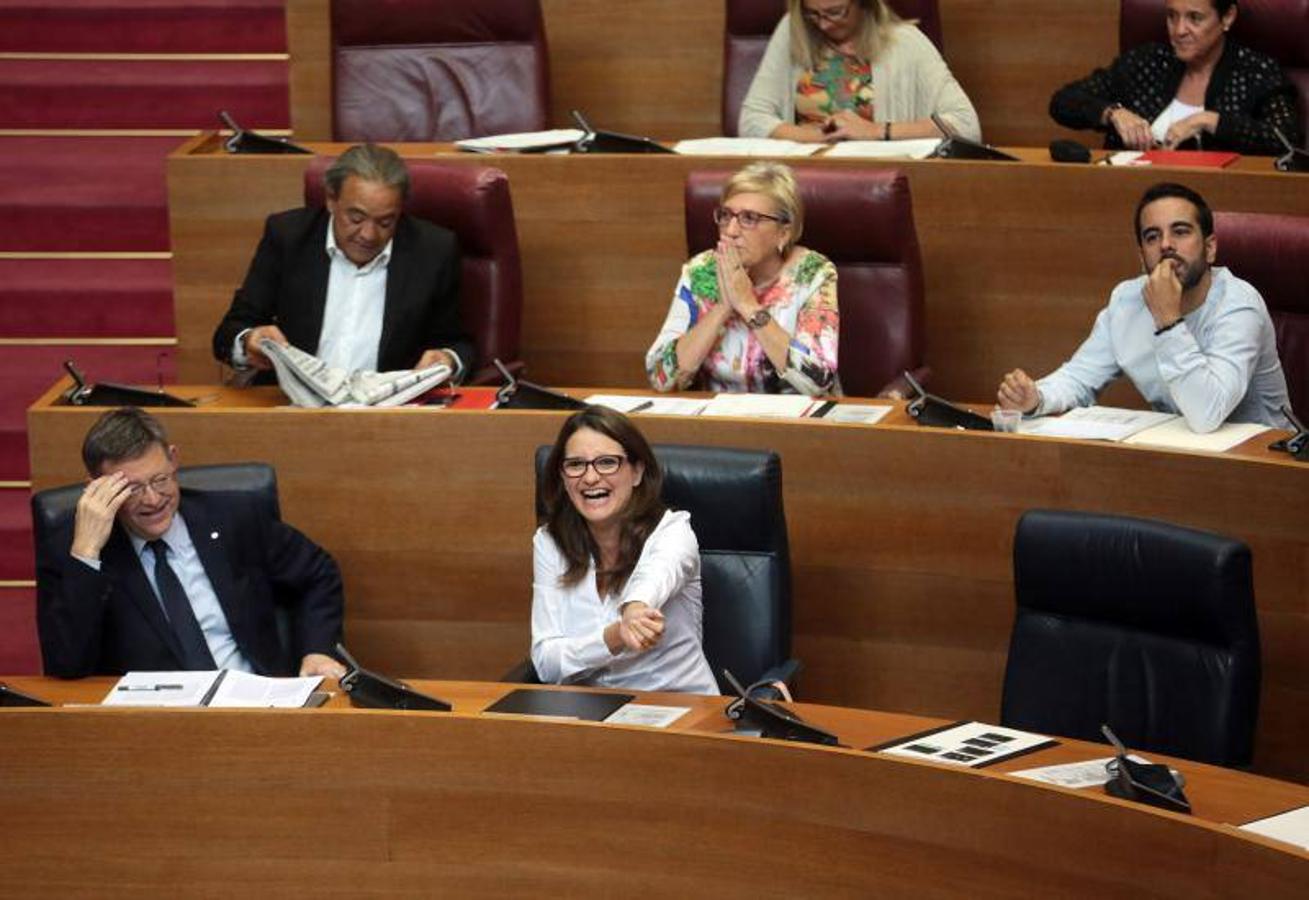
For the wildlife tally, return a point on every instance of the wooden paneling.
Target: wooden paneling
(1018, 257)
(345, 802)
(901, 537)
(656, 66)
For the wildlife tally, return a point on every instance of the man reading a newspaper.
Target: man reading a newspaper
(358, 284)
(154, 577)
(1195, 339)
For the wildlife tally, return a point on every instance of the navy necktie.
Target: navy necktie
(195, 651)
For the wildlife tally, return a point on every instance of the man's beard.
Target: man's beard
(1190, 274)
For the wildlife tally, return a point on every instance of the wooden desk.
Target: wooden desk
(346, 801)
(1019, 257)
(901, 537)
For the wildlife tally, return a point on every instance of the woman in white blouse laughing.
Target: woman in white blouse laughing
(616, 585)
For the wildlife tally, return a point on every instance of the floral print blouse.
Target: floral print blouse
(835, 83)
(802, 301)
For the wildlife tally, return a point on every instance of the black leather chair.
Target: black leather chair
(52, 508)
(735, 501)
(1145, 626)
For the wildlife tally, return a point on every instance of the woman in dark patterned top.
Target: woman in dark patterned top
(1200, 87)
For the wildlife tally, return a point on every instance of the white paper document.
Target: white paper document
(969, 744)
(241, 689)
(919, 148)
(657, 404)
(1291, 827)
(161, 689)
(1177, 435)
(519, 142)
(766, 406)
(647, 715)
(1095, 423)
(857, 414)
(725, 146)
(1091, 773)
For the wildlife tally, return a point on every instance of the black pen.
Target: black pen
(153, 687)
(641, 407)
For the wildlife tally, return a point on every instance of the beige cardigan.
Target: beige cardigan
(911, 79)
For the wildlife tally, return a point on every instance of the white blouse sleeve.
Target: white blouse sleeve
(669, 560)
(559, 657)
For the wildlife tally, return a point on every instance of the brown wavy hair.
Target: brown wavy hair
(642, 513)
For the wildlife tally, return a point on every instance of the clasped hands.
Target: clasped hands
(734, 285)
(638, 629)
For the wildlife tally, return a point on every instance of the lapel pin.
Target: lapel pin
(213, 535)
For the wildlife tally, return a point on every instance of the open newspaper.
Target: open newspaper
(308, 381)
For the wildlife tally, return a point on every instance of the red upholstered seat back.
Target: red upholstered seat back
(1277, 28)
(473, 202)
(1270, 251)
(750, 24)
(438, 70)
(863, 220)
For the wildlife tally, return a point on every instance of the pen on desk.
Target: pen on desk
(151, 687)
(641, 407)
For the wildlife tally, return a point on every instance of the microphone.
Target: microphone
(1066, 151)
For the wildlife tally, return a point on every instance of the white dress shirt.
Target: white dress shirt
(1219, 365)
(352, 316)
(568, 623)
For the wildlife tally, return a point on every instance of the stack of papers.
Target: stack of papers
(656, 404)
(1291, 827)
(766, 406)
(523, 142)
(1177, 435)
(920, 148)
(1096, 423)
(223, 688)
(1141, 427)
(724, 146)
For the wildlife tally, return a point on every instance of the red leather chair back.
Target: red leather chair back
(473, 202)
(1269, 251)
(1276, 28)
(863, 220)
(438, 70)
(750, 24)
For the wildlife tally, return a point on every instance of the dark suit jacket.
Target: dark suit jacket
(287, 286)
(109, 622)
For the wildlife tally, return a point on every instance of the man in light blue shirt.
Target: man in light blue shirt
(1195, 339)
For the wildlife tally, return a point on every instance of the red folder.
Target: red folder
(1204, 159)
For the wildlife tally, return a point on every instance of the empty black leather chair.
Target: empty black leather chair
(1143, 625)
(52, 508)
(735, 501)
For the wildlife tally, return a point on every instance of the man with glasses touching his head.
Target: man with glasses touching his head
(149, 576)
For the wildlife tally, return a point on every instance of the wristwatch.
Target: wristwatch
(759, 319)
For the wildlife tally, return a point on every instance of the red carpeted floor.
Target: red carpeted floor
(102, 196)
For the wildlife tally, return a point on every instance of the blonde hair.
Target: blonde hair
(875, 30)
(776, 182)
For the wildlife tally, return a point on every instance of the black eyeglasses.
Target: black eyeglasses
(575, 466)
(747, 217)
(817, 16)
